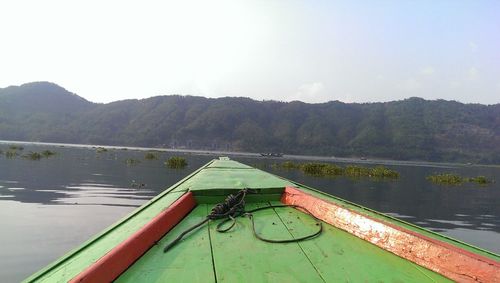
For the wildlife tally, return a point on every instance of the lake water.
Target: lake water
(50, 206)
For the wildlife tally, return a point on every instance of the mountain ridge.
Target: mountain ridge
(414, 128)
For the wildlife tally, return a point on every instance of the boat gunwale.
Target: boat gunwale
(84, 245)
(111, 265)
(382, 216)
(289, 196)
(318, 194)
(439, 256)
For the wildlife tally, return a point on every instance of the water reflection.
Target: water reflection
(82, 176)
(52, 205)
(469, 212)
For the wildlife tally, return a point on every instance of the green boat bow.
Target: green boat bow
(357, 244)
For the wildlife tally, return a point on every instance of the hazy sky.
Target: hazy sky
(314, 51)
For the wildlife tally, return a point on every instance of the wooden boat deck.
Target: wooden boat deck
(371, 251)
(206, 255)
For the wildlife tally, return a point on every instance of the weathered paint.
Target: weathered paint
(77, 260)
(239, 257)
(334, 256)
(212, 182)
(395, 221)
(188, 261)
(215, 178)
(338, 256)
(453, 262)
(110, 266)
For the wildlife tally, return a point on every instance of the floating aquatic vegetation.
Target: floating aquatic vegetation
(16, 147)
(33, 156)
(47, 153)
(318, 169)
(326, 169)
(290, 165)
(480, 180)
(454, 179)
(176, 162)
(150, 156)
(11, 154)
(382, 172)
(101, 150)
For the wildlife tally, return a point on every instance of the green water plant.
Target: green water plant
(317, 169)
(11, 154)
(480, 180)
(454, 179)
(446, 179)
(289, 165)
(176, 162)
(48, 153)
(356, 171)
(327, 169)
(16, 147)
(150, 156)
(101, 150)
(33, 156)
(383, 172)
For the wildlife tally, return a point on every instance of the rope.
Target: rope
(234, 206)
(307, 237)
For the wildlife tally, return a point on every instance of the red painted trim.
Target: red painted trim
(444, 258)
(116, 261)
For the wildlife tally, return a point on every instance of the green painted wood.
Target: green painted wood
(239, 257)
(217, 178)
(398, 222)
(226, 192)
(66, 267)
(91, 251)
(228, 164)
(341, 257)
(248, 199)
(189, 261)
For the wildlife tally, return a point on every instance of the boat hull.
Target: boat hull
(358, 244)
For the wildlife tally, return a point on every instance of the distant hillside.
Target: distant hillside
(410, 129)
(38, 111)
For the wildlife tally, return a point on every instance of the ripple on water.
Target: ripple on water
(453, 222)
(15, 189)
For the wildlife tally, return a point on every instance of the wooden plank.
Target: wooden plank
(248, 199)
(378, 216)
(215, 178)
(240, 257)
(448, 260)
(116, 261)
(189, 261)
(89, 252)
(341, 257)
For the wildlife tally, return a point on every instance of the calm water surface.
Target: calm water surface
(50, 206)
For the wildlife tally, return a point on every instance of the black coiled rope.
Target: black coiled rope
(234, 206)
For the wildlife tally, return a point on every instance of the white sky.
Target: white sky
(314, 51)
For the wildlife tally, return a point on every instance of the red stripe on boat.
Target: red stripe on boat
(441, 257)
(116, 261)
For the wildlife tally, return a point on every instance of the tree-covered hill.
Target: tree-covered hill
(409, 129)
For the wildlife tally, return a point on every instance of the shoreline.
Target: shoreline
(373, 161)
